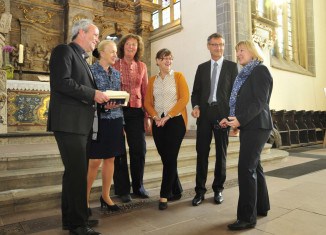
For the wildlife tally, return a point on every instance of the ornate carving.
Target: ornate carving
(119, 5)
(263, 34)
(145, 28)
(47, 38)
(5, 22)
(2, 6)
(36, 14)
(37, 57)
(98, 19)
(79, 17)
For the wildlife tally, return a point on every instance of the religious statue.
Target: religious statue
(5, 27)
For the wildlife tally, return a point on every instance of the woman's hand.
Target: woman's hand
(233, 122)
(160, 122)
(148, 125)
(230, 121)
(111, 105)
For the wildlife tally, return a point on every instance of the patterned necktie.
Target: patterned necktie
(213, 81)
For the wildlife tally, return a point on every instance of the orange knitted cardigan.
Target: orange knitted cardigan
(182, 96)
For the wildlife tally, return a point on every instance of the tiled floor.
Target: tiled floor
(298, 206)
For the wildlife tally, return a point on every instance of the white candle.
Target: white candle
(21, 54)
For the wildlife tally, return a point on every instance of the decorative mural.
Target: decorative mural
(35, 29)
(27, 110)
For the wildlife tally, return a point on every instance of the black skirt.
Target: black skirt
(110, 140)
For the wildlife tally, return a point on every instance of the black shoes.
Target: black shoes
(89, 211)
(162, 205)
(107, 206)
(83, 231)
(125, 198)
(90, 223)
(142, 193)
(218, 197)
(198, 199)
(240, 225)
(175, 197)
(263, 214)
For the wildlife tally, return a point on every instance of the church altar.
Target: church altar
(27, 105)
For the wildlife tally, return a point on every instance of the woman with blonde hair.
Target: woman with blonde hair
(109, 141)
(250, 113)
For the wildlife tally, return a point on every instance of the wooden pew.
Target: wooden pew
(281, 125)
(293, 128)
(311, 126)
(303, 129)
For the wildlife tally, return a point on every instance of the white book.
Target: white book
(120, 97)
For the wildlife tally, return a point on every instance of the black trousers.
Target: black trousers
(206, 127)
(253, 193)
(168, 140)
(73, 150)
(135, 132)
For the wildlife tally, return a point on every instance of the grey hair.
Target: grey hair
(214, 35)
(82, 24)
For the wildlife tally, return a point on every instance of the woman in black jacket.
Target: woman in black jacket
(250, 113)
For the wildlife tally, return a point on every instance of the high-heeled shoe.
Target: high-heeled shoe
(162, 205)
(104, 204)
(89, 211)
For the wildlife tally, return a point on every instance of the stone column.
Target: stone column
(81, 9)
(3, 102)
(5, 27)
(144, 10)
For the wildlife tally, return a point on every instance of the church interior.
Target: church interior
(289, 35)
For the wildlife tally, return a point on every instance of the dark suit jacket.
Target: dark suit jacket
(72, 103)
(252, 105)
(202, 84)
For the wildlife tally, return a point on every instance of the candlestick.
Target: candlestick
(21, 54)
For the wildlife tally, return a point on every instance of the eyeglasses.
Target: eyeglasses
(167, 58)
(216, 44)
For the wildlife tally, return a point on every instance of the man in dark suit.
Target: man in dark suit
(71, 114)
(210, 101)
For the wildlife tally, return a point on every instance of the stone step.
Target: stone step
(37, 198)
(46, 176)
(187, 158)
(31, 174)
(26, 138)
(25, 156)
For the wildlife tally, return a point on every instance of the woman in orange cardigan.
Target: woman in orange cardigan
(165, 101)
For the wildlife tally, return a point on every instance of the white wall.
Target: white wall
(189, 46)
(291, 90)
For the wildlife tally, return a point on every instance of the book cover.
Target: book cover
(120, 97)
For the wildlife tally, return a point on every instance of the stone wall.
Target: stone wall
(41, 25)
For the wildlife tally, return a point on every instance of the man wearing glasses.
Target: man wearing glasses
(210, 101)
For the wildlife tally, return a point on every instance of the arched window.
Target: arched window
(168, 14)
(291, 27)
